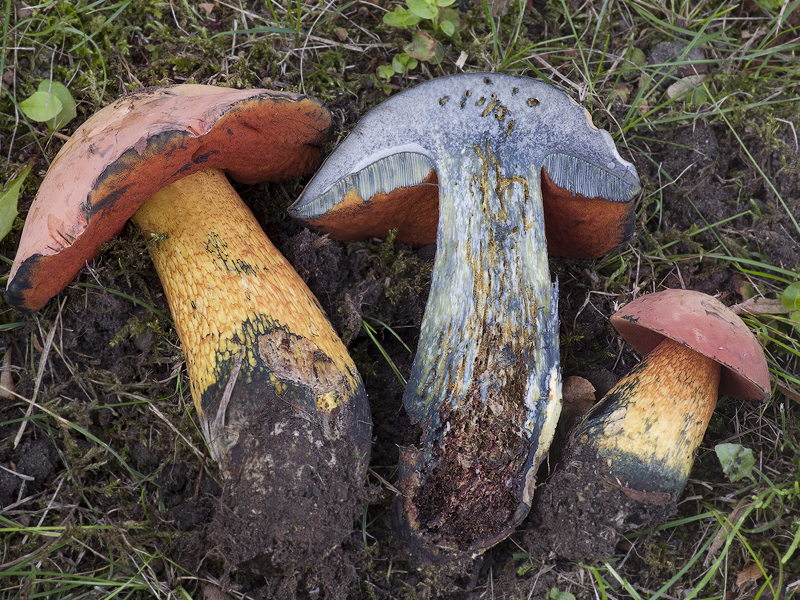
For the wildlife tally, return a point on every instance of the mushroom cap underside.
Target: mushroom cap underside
(389, 164)
(575, 226)
(141, 143)
(704, 324)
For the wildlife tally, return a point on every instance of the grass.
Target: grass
(98, 528)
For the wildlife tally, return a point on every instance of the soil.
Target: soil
(381, 282)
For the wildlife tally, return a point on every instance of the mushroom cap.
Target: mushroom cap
(141, 143)
(383, 175)
(704, 324)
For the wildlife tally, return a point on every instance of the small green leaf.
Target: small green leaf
(386, 72)
(634, 58)
(8, 201)
(401, 18)
(795, 318)
(770, 4)
(422, 46)
(392, 19)
(67, 112)
(791, 297)
(41, 107)
(423, 8)
(401, 62)
(443, 3)
(736, 460)
(447, 28)
(556, 594)
(449, 15)
(438, 54)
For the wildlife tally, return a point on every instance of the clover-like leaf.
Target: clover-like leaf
(424, 9)
(67, 112)
(556, 594)
(401, 18)
(790, 299)
(41, 107)
(455, 20)
(386, 72)
(402, 62)
(736, 460)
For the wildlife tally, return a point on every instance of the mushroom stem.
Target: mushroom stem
(485, 386)
(645, 431)
(485, 383)
(233, 294)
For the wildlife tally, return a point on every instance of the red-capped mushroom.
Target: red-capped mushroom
(280, 402)
(628, 460)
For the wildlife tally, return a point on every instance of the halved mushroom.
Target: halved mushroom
(480, 160)
(628, 460)
(281, 404)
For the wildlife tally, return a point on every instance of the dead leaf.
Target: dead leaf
(498, 7)
(212, 592)
(789, 392)
(749, 574)
(341, 33)
(208, 7)
(578, 395)
(687, 84)
(759, 306)
(6, 381)
(622, 91)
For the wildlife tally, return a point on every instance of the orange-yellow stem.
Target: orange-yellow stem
(232, 294)
(649, 425)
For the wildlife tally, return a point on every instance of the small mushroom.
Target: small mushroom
(281, 404)
(628, 460)
(484, 165)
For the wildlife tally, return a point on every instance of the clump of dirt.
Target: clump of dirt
(26, 468)
(289, 504)
(334, 277)
(581, 514)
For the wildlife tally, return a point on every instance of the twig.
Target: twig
(386, 483)
(161, 416)
(219, 420)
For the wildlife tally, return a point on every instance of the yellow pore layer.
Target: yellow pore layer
(219, 270)
(663, 409)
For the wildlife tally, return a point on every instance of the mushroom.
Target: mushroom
(281, 404)
(628, 460)
(484, 161)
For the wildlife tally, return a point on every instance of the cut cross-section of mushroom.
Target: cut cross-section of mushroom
(280, 402)
(628, 460)
(463, 156)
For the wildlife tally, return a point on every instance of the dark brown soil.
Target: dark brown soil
(581, 514)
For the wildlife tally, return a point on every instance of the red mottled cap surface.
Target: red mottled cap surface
(705, 325)
(141, 143)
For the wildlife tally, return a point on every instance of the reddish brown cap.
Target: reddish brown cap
(141, 143)
(705, 325)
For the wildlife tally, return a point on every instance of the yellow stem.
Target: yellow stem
(233, 294)
(656, 416)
